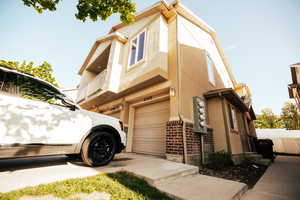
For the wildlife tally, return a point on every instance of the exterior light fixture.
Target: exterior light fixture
(172, 92)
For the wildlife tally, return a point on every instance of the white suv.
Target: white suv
(37, 119)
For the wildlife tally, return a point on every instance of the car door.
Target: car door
(35, 113)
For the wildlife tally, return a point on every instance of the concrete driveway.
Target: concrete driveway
(178, 180)
(19, 173)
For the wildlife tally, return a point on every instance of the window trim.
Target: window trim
(233, 121)
(212, 67)
(129, 67)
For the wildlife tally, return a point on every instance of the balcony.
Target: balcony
(92, 87)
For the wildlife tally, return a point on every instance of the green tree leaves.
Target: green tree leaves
(290, 116)
(43, 71)
(267, 119)
(288, 119)
(92, 9)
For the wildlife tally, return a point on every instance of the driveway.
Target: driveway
(178, 180)
(19, 173)
(280, 182)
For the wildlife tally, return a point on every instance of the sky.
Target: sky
(260, 38)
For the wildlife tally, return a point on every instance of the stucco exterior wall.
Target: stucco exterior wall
(191, 35)
(216, 121)
(156, 49)
(86, 77)
(193, 70)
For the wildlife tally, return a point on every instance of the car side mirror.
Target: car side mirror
(72, 107)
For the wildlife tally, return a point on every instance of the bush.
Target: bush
(219, 160)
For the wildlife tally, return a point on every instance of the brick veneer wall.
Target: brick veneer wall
(174, 141)
(208, 140)
(193, 143)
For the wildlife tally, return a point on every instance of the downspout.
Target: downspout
(226, 125)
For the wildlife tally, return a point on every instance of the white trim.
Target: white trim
(136, 62)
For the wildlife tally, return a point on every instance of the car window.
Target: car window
(8, 82)
(30, 88)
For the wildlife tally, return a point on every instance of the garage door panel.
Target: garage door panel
(149, 128)
(152, 125)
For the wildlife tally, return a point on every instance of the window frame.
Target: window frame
(233, 121)
(210, 70)
(136, 61)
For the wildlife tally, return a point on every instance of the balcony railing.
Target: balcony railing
(94, 86)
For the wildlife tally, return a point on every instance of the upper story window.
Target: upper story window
(210, 70)
(232, 118)
(137, 49)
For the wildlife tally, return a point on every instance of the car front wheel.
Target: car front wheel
(98, 149)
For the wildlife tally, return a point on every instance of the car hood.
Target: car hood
(98, 118)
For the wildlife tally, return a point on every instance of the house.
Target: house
(166, 77)
(294, 88)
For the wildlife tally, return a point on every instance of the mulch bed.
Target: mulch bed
(246, 173)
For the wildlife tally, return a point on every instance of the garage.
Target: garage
(150, 127)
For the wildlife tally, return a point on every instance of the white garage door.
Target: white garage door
(150, 127)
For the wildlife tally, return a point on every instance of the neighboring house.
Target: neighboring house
(147, 74)
(294, 88)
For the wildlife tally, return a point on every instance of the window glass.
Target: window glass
(210, 69)
(133, 55)
(137, 49)
(8, 83)
(232, 118)
(29, 88)
(141, 46)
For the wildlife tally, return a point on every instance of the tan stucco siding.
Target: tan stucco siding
(155, 53)
(235, 138)
(216, 121)
(193, 70)
(86, 78)
(236, 144)
(131, 29)
(101, 47)
(193, 36)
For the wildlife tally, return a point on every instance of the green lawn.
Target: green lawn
(120, 185)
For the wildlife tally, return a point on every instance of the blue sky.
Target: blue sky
(260, 39)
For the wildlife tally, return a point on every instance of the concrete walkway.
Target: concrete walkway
(280, 182)
(178, 180)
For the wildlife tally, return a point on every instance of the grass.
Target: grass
(120, 185)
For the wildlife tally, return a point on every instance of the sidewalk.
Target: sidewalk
(280, 182)
(178, 180)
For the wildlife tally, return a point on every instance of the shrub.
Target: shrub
(219, 160)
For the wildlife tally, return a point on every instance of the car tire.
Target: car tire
(98, 149)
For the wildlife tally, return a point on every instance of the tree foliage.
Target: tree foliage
(92, 9)
(43, 71)
(290, 116)
(267, 119)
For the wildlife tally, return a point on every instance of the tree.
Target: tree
(43, 71)
(290, 116)
(92, 9)
(267, 119)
